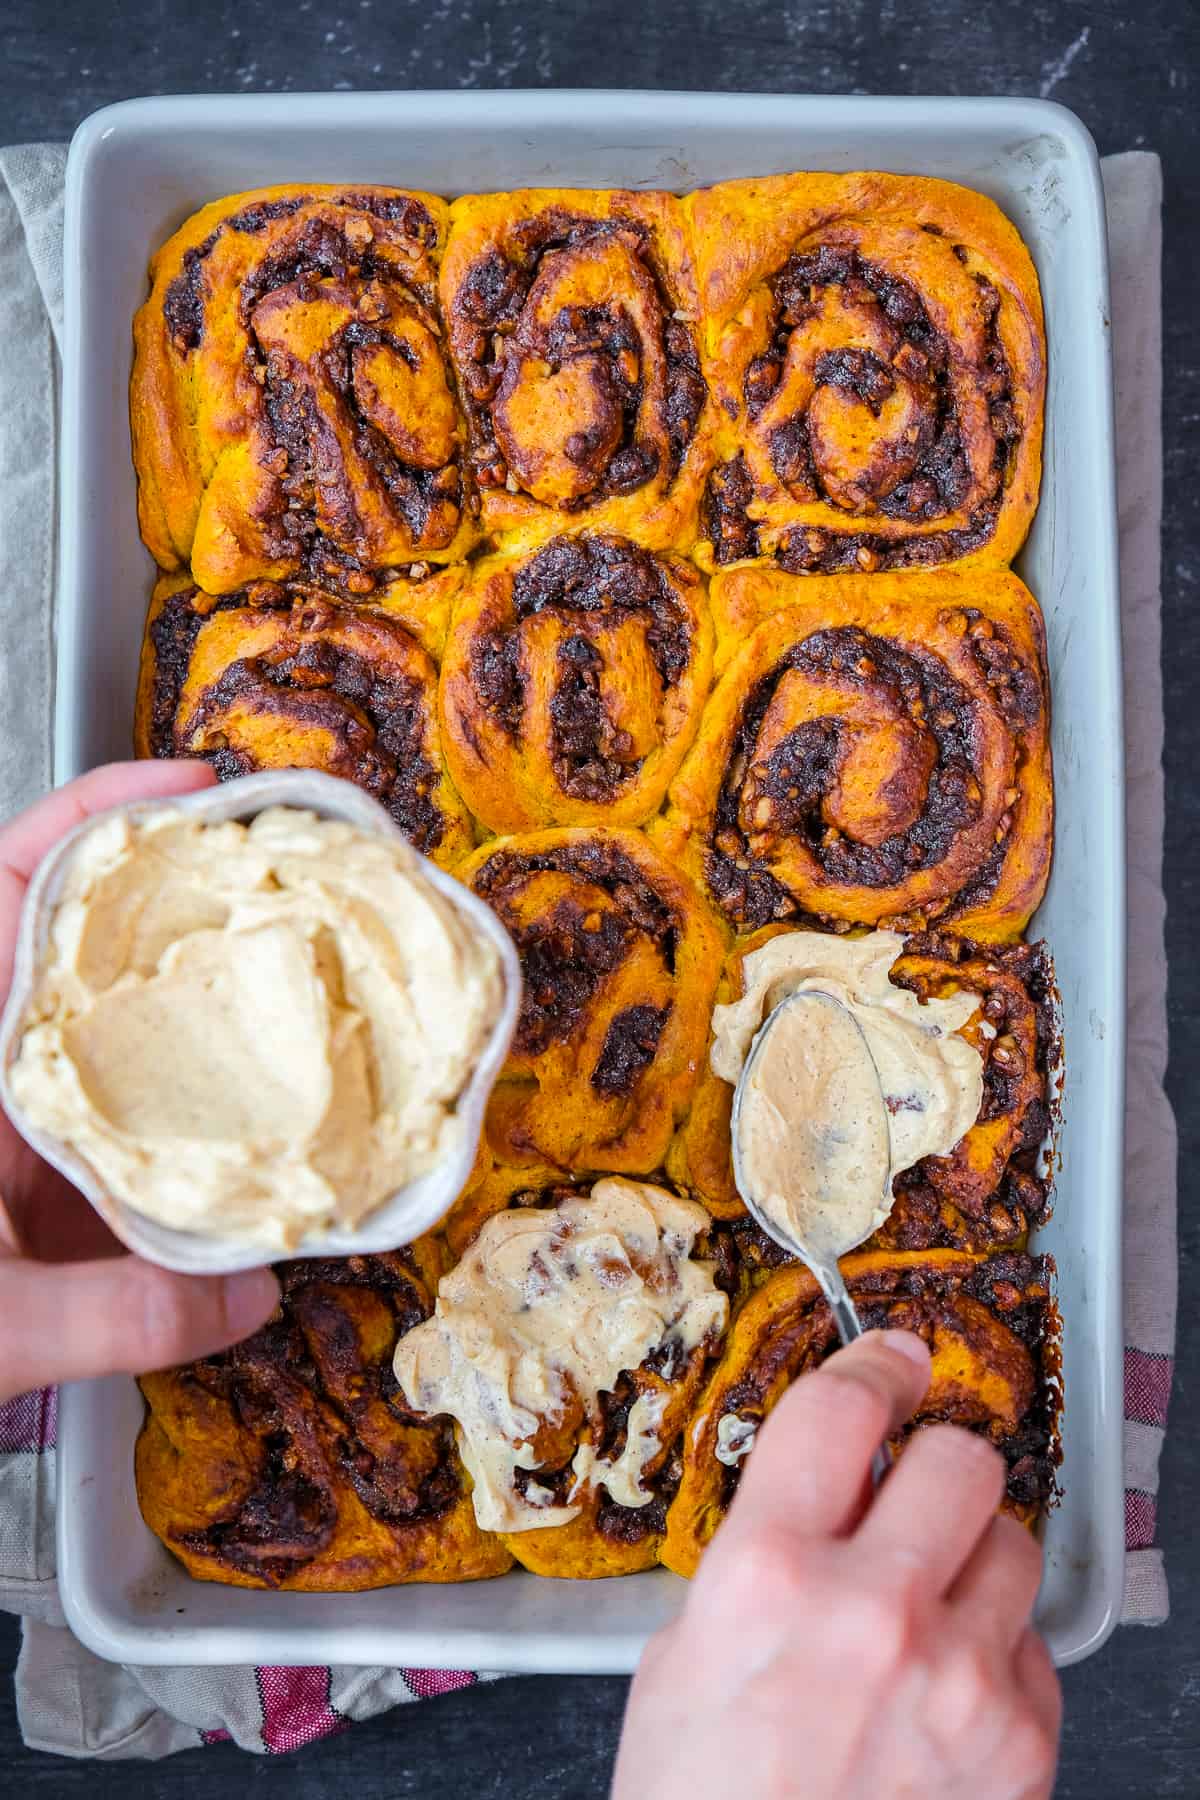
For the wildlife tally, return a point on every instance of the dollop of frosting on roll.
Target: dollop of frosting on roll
(544, 1312)
(810, 1096)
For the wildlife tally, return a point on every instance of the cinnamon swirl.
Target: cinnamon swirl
(876, 752)
(875, 344)
(573, 326)
(619, 958)
(292, 1461)
(990, 1323)
(292, 408)
(569, 1346)
(573, 682)
(278, 676)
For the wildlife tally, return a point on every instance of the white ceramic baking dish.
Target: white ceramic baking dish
(136, 171)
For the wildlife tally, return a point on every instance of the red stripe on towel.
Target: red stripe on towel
(1140, 1516)
(29, 1422)
(1147, 1386)
(296, 1708)
(426, 1684)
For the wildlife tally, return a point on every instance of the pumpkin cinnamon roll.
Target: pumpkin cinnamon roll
(991, 1326)
(573, 326)
(619, 957)
(876, 752)
(573, 681)
(994, 1184)
(569, 1346)
(292, 405)
(875, 346)
(277, 676)
(292, 1460)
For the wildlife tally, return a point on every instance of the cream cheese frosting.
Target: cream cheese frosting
(255, 1032)
(816, 1146)
(543, 1313)
(735, 1438)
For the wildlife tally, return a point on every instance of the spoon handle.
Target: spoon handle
(849, 1327)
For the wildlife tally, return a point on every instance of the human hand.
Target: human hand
(72, 1302)
(839, 1645)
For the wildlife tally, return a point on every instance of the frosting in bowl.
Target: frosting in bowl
(252, 1031)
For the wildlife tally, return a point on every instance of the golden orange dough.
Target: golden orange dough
(491, 1188)
(280, 676)
(572, 316)
(288, 1462)
(990, 1324)
(875, 347)
(620, 957)
(604, 1538)
(876, 752)
(573, 682)
(292, 406)
(991, 1187)
(699, 1159)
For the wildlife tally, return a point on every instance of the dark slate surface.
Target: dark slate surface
(1133, 73)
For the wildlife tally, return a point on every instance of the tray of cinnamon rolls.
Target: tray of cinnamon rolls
(647, 553)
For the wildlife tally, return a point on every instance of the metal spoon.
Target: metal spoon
(822, 1261)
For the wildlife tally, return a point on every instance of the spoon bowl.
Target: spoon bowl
(849, 1148)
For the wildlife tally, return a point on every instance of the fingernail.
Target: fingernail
(906, 1344)
(250, 1298)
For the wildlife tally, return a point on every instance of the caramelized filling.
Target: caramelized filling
(572, 395)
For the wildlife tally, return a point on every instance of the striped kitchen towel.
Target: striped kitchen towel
(74, 1704)
(1133, 193)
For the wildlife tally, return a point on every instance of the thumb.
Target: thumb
(61, 1322)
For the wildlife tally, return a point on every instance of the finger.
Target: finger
(25, 840)
(996, 1589)
(1038, 1681)
(936, 1504)
(42, 1215)
(814, 1452)
(123, 1315)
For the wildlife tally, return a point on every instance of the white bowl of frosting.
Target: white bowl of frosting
(253, 1022)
